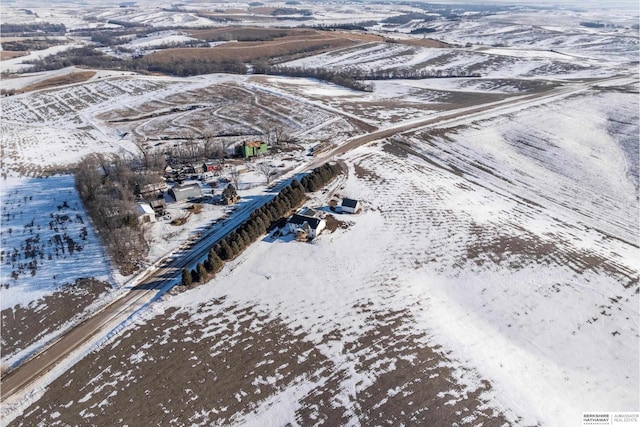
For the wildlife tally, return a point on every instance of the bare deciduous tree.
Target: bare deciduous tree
(234, 174)
(266, 169)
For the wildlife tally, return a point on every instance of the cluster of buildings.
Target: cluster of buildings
(308, 223)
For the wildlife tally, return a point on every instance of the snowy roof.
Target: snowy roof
(184, 192)
(144, 208)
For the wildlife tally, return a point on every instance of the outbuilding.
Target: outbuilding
(350, 206)
(212, 166)
(252, 149)
(145, 213)
(181, 193)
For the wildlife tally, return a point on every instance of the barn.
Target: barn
(181, 193)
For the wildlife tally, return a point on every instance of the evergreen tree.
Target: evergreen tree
(186, 277)
(216, 262)
(261, 226)
(235, 248)
(245, 237)
(202, 273)
(225, 251)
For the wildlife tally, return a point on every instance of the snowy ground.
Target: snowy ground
(501, 285)
(521, 296)
(53, 265)
(47, 239)
(19, 64)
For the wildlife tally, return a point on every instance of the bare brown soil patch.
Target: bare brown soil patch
(212, 365)
(22, 326)
(235, 33)
(10, 54)
(283, 47)
(215, 364)
(76, 77)
(333, 223)
(366, 174)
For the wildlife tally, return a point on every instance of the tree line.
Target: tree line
(343, 78)
(89, 57)
(107, 186)
(33, 29)
(260, 221)
(356, 78)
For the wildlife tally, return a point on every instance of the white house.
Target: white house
(145, 213)
(309, 224)
(350, 206)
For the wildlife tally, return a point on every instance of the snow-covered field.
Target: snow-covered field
(505, 252)
(47, 239)
(496, 63)
(19, 64)
(491, 277)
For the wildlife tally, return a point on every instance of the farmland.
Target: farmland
(360, 335)
(489, 277)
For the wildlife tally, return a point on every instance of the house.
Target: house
(145, 213)
(350, 206)
(185, 192)
(251, 149)
(310, 225)
(212, 166)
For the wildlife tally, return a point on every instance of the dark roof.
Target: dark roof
(157, 203)
(350, 203)
(309, 212)
(301, 219)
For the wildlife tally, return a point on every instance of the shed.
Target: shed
(350, 205)
(185, 192)
(158, 205)
(153, 189)
(212, 166)
(145, 213)
(311, 225)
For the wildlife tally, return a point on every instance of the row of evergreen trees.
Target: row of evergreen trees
(260, 220)
(320, 176)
